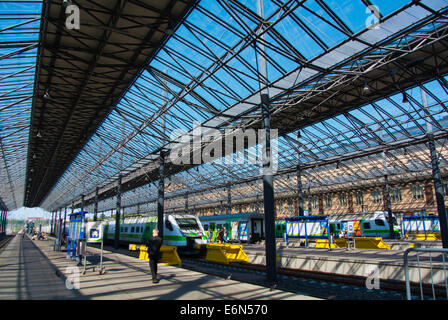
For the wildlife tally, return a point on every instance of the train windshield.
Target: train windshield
(187, 224)
(394, 220)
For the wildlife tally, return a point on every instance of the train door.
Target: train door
(212, 232)
(257, 230)
(357, 228)
(234, 231)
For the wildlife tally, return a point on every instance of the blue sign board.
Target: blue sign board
(76, 231)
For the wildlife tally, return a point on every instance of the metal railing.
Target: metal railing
(433, 264)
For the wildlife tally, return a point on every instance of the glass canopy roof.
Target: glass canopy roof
(209, 74)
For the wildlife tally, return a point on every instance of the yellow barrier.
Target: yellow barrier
(169, 254)
(224, 253)
(372, 243)
(360, 243)
(429, 236)
(338, 243)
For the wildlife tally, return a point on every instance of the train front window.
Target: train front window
(187, 224)
(394, 220)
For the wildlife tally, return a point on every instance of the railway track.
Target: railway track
(5, 241)
(316, 284)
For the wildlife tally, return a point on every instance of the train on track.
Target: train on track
(365, 224)
(187, 231)
(245, 227)
(183, 231)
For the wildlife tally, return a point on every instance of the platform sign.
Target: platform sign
(76, 232)
(292, 229)
(243, 231)
(307, 227)
(234, 230)
(421, 224)
(350, 228)
(94, 231)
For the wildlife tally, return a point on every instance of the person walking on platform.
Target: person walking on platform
(154, 243)
(220, 235)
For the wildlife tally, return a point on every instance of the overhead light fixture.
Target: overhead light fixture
(47, 94)
(366, 87)
(34, 156)
(39, 135)
(405, 98)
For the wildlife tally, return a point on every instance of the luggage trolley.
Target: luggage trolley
(93, 234)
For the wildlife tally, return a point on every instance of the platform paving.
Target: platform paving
(357, 262)
(33, 270)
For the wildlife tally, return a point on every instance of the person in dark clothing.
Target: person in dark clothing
(154, 245)
(221, 235)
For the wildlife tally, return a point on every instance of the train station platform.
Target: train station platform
(32, 270)
(354, 262)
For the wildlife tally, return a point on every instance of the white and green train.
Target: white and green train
(241, 227)
(371, 224)
(183, 231)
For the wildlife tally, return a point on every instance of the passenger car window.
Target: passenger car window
(366, 225)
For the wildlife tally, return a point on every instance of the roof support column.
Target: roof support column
(59, 235)
(52, 225)
(439, 191)
(229, 199)
(268, 177)
(186, 203)
(2, 229)
(388, 206)
(161, 194)
(443, 223)
(309, 199)
(117, 214)
(95, 208)
(268, 194)
(65, 221)
(5, 223)
(299, 181)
